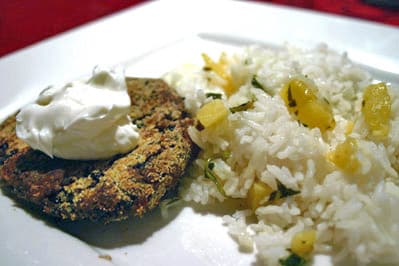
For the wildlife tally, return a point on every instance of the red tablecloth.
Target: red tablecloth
(24, 22)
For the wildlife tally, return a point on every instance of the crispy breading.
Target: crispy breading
(113, 189)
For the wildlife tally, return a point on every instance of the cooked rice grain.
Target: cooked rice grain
(356, 215)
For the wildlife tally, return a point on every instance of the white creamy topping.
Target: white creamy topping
(81, 120)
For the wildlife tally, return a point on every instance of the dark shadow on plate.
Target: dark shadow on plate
(132, 231)
(227, 207)
(136, 230)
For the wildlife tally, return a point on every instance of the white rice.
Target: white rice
(356, 216)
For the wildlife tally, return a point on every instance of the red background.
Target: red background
(24, 22)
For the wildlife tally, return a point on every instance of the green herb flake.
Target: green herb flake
(282, 192)
(225, 155)
(293, 260)
(214, 95)
(210, 174)
(256, 84)
(244, 106)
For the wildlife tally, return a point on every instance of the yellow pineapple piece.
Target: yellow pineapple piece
(376, 109)
(344, 156)
(257, 193)
(316, 114)
(220, 68)
(300, 97)
(297, 92)
(303, 242)
(212, 113)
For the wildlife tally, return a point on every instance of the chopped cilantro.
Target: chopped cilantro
(210, 174)
(244, 106)
(214, 95)
(256, 84)
(293, 260)
(282, 192)
(225, 155)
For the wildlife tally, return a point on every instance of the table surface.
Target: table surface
(26, 22)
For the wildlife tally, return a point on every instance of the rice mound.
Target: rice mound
(356, 216)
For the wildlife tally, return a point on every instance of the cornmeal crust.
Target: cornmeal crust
(107, 190)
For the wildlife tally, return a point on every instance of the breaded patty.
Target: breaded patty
(113, 189)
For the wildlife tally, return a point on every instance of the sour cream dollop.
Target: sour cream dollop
(82, 120)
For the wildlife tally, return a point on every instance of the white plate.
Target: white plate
(150, 40)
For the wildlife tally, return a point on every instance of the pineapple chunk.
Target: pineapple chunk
(303, 242)
(300, 97)
(220, 68)
(212, 113)
(376, 109)
(297, 92)
(316, 114)
(257, 193)
(344, 156)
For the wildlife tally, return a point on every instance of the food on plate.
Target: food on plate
(376, 108)
(302, 242)
(82, 120)
(308, 141)
(129, 183)
(212, 113)
(300, 97)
